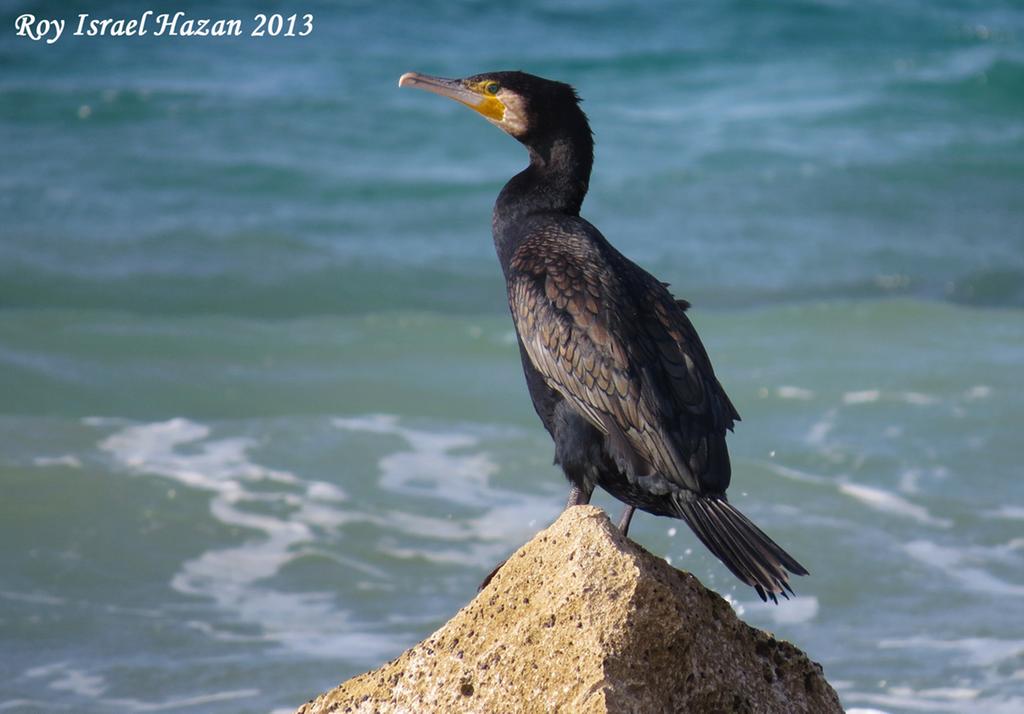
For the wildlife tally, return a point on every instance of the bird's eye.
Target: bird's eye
(492, 88)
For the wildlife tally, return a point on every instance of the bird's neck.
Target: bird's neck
(556, 182)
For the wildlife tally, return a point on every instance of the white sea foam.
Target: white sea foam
(65, 678)
(101, 421)
(959, 565)
(871, 496)
(179, 703)
(969, 651)
(917, 398)
(862, 397)
(788, 391)
(979, 391)
(909, 481)
(868, 396)
(818, 433)
(435, 465)
(450, 467)
(219, 466)
(887, 502)
(803, 608)
(182, 450)
(69, 460)
(951, 699)
(31, 705)
(35, 598)
(793, 474)
(62, 677)
(1007, 511)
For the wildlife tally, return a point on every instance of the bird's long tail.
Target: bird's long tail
(744, 548)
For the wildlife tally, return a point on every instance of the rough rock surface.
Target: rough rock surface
(581, 619)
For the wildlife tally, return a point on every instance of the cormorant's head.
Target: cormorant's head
(527, 107)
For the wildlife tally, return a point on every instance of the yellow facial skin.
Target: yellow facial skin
(489, 105)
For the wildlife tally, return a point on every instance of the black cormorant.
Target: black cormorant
(615, 369)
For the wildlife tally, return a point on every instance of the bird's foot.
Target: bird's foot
(624, 520)
(578, 497)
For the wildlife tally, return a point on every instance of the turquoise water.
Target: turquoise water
(262, 422)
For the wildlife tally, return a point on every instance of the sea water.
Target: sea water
(262, 421)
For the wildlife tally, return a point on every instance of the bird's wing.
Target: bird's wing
(614, 343)
(691, 403)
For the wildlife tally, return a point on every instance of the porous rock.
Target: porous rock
(581, 619)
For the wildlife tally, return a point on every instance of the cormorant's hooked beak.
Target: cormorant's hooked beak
(474, 97)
